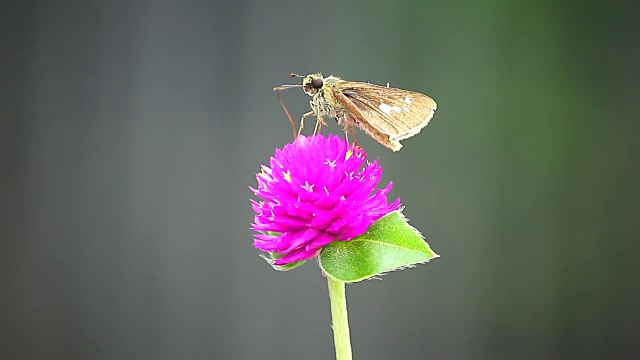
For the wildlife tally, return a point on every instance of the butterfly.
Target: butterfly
(387, 114)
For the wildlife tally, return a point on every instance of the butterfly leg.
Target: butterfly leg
(305, 115)
(319, 123)
(353, 133)
(348, 127)
(316, 131)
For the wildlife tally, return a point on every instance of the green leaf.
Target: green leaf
(286, 267)
(390, 243)
(273, 256)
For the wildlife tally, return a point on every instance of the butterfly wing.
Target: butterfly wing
(397, 113)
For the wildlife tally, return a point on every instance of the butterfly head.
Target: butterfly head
(312, 83)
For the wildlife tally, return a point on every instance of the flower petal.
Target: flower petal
(316, 190)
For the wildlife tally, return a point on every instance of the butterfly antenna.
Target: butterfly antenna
(285, 87)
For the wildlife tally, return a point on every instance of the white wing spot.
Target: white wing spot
(405, 108)
(407, 100)
(386, 108)
(397, 109)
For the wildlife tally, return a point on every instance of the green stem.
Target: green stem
(339, 319)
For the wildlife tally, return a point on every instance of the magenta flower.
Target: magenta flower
(315, 193)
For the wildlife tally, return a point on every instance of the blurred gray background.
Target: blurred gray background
(131, 130)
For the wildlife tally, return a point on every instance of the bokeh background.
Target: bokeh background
(130, 132)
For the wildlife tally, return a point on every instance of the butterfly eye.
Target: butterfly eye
(317, 83)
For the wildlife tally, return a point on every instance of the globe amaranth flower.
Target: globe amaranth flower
(316, 191)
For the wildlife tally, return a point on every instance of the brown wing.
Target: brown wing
(398, 113)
